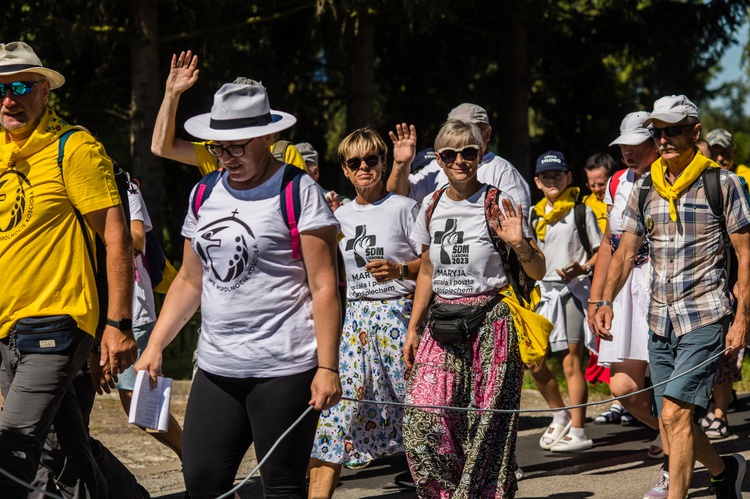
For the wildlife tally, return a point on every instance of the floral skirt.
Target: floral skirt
(466, 455)
(372, 367)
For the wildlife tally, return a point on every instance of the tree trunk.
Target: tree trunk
(513, 125)
(145, 95)
(360, 85)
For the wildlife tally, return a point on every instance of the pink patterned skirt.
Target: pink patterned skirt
(457, 454)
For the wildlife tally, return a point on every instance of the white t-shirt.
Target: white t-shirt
(256, 307)
(625, 181)
(464, 260)
(144, 309)
(494, 170)
(562, 246)
(372, 232)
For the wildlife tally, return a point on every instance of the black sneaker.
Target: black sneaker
(731, 486)
(405, 480)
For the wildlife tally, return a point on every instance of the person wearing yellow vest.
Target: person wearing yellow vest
(50, 310)
(690, 310)
(599, 167)
(183, 73)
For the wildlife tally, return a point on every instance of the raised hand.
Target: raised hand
(182, 72)
(507, 222)
(404, 143)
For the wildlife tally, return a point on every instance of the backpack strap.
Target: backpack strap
(431, 209)
(291, 206)
(205, 187)
(643, 195)
(579, 215)
(614, 182)
(715, 197)
(60, 155)
(279, 149)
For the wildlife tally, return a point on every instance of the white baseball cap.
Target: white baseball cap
(632, 132)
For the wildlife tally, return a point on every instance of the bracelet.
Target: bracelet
(526, 256)
(329, 369)
(594, 302)
(603, 303)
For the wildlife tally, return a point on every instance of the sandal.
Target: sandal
(569, 443)
(627, 419)
(706, 422)
(555, 432)
(655, 450)
(718, 429)
(612, 416)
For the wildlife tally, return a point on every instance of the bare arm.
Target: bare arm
(422, 298)
(386, 270)
(181, 302)
(138, 233)
(404, 150)
(118, 347)
(319, 257)
(182, 75)
(600, 273)
(620, 266)
(739, 332)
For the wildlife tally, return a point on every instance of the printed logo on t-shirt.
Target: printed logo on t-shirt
(452, 249)
(16, 203)
(363, 246)
(227, 248)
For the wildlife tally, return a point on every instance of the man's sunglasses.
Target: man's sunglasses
(18, 88)
(235, 150)
(669, 131)
(449, 154)
(354, 163)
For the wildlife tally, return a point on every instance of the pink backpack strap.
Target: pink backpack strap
(292, 219)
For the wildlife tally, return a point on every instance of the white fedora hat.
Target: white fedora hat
(240, 111)
(18, 57)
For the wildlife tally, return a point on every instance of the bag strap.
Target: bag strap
(205, 187)
(60, 155)
(431, 209)
(278, 150)
(715, 197)
(643, 195)
(291, 206)
(579, 215)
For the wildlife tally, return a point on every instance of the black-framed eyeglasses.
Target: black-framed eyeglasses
(18, 88)
(669, 131)
(354, 163)
(449, 154)
(235, 150)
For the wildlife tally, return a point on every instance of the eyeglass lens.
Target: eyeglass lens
(372, 161)
(17, 88)
(669, 131)
(449, 155)
(234, 150)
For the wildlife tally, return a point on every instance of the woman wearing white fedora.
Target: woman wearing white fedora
(260, 275)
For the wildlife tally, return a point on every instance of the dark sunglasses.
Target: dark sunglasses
(17, 88)
(235, 150)
(449, 154)
(670, 131)
(354, 163)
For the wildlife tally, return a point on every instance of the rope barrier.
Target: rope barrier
(29, 486)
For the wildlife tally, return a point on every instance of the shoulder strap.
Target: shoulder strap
(279, 149)
(715, 198)
(643, 194)
(60, 155)
(205, 186)
(431, 209)
(579, 214)
(614, 182)
(291, 206)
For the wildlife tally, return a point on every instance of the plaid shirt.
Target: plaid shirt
(688, 271)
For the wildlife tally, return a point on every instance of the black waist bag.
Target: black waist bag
(450, 323)
(46, 334)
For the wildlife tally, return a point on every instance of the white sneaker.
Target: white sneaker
(569, 443)
(661, 488)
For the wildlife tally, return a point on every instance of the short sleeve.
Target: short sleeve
(608, 195)
(736, 207)
(294, 158)
(419, 235)
(315, 211)
(138, 210)
(411, 221)
(88, 174)
(188, 226)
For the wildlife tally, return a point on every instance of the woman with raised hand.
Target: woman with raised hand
(259, 259)
(462, 229)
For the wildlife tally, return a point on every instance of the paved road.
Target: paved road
(616, 467)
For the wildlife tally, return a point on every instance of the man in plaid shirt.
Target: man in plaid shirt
(690, 312)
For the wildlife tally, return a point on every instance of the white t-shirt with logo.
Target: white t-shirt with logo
(256, 307)
(494, 170)
(622, 193)
(373, 232)
(464, 260)
(144, 309)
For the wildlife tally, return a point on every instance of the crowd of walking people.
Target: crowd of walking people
(435, 287)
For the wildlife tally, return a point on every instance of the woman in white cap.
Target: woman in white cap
(259, 259)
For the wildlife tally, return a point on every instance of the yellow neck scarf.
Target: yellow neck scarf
(685, 180)
(563, 205)
(49, 129)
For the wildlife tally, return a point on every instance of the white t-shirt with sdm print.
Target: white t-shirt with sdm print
(256, 306)
(464, 260)
(373, 232)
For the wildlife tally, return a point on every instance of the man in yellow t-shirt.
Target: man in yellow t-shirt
(183, 74)
(721, 143)
(599, 167)
(48, 271)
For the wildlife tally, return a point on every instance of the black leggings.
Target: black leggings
(225, 415)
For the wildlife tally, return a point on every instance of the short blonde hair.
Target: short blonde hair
(454, 133)
(360, 143)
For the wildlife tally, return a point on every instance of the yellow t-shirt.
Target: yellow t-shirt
(744, 172)
(208, 163)
(599, 208)
(46, 269)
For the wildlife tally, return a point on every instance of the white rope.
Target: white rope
(29, 486)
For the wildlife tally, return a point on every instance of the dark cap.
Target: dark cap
(551, 160)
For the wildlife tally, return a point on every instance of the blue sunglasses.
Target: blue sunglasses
(18, 88)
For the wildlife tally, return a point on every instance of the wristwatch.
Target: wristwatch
(404, 272)
(603, 303)
(122, 324)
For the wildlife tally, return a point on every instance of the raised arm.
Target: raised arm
(404, 150)
(182, 75)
